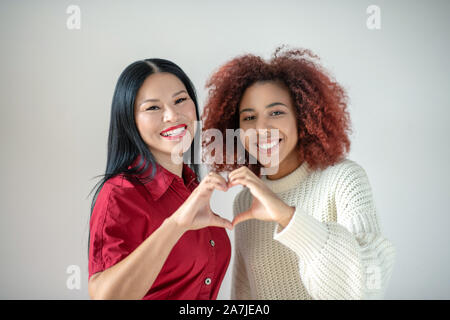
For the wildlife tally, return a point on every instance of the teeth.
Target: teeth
(174, 132)
(268, 145)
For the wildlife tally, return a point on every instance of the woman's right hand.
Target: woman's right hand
(195, 213)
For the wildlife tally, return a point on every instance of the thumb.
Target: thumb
(243, 216)
(218, 221)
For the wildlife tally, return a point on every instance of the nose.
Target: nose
(265, 131)
(170, 114)
(262, 127)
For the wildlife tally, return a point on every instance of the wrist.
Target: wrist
(286, 216)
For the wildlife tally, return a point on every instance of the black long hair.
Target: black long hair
(124, 140)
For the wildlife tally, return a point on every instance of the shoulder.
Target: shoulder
(344, 171)
(343, 165)
(116, 187)
(351, 186)
(343, 179)
(120, 182)
(349, 171)
(119, 193)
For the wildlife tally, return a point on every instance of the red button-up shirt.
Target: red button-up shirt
(126, 213)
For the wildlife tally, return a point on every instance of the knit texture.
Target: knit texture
(331, 249)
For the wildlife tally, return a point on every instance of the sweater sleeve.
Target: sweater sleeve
(240, 288)
(347, 259)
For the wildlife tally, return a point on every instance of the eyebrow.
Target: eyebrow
(155, 100)
(273, 104)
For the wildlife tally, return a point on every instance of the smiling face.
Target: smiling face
(165, 115)
(266, 106)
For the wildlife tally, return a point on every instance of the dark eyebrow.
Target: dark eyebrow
(177, 93)
(156, 100)
(273, 104)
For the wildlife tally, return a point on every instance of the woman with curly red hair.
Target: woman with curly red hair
(307, 229)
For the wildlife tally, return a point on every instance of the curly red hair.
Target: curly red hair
(320, 103)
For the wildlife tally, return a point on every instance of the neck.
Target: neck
(286, 166)
(167, 163)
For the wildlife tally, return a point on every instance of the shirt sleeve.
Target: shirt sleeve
(349, 259)
(240, 288)
(116, 228)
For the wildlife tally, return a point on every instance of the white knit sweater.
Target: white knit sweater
(331, 249)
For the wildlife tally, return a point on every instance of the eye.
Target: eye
(180, 100)
(248, 118)
(277, 113)
(152, 108)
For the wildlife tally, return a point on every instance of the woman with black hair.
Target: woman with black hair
(153, 234)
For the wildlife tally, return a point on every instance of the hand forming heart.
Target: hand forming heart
(266, 205)
(196, 213)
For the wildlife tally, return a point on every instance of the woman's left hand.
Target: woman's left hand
(266, 205)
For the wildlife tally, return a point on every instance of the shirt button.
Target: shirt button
(212, 243)
(208, 281)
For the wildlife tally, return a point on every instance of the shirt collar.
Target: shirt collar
(164, 178)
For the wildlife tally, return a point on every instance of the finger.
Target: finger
(210, 186)
(206, 189)
(216, 175)
(220, 185)
(213, 177)
(246, 173)
(218, 221)
(220, 179)
(241, 170)
(236, 174)
(241, 217)
(235, 182)
(240, 181)
(236, 171)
